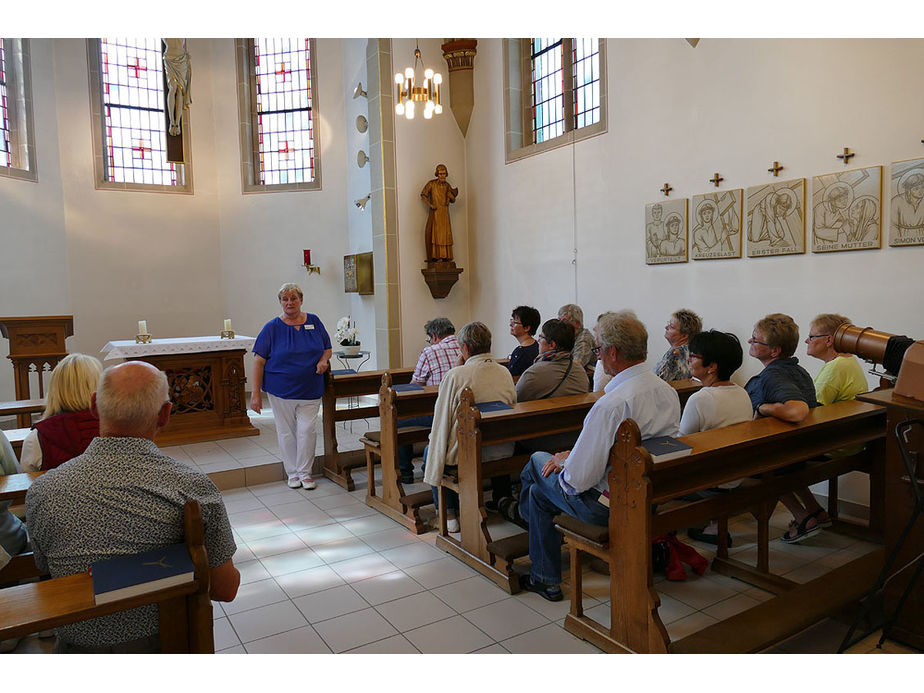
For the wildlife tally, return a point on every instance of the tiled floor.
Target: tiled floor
(324, 573)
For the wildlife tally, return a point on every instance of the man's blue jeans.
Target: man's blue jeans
(541, 499)
(406, 452)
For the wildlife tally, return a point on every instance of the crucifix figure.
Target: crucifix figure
(178, 72)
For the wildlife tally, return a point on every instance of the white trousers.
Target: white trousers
(297, 432)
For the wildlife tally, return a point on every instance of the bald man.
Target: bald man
(124, 496)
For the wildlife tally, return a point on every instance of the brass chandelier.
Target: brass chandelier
(409, 93)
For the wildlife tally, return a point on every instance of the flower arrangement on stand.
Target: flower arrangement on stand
(348, 336)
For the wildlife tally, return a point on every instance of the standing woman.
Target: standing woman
(67, 426)
(291, 354)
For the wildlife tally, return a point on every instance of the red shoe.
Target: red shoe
(689, 555)
(674, 570)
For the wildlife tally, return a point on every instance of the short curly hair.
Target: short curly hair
(779, 330)
(441, 327)
(688, 322)
(829, 322)
(476, 336)
(626, 332)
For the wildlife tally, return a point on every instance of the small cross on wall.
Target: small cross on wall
(775, 169)
(716, 179)
(846, 156)
(666, 190)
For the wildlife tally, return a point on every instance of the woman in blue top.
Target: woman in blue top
(291, 354)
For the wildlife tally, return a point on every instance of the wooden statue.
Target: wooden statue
(439, 194)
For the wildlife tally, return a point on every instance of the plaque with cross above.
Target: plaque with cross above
(666, 232)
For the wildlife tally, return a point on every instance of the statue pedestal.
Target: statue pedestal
(440, 276)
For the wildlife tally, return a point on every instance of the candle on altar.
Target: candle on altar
(307, 256)
(142, 327)
(227, 324)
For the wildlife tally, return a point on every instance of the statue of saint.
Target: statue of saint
(179, 77)
(438, 194)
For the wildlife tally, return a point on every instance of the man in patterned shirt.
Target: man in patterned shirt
(435, 361)
(123, 496)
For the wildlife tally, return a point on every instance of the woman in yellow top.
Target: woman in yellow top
(840, 379)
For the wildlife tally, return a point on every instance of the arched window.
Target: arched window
(127, 101)
(278, 102)
(17, 147)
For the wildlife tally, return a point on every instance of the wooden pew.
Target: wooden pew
(22, 409)
(758, 447)
(335, 465)
(13, 487)
(16, 436)
(185, 610)
(494, 558)
(383, 444)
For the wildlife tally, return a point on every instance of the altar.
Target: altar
(206, 376)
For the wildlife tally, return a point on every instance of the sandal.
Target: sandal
(798, 531)
(553, 594)
(827, 522)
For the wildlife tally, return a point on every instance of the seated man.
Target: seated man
(573, 481)
(489, 381)
(840, 379)
(120, 497)
(783, 389)
(583, 352)
(435, 361)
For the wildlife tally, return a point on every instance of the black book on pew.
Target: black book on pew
(663, 448)
(138, 573)
(407, 387)
(494, 405)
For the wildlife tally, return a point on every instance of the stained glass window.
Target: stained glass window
(132, 94)
(284, 129)
(5, 149)
(555, 62)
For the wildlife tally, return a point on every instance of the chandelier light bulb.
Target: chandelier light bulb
(399, 108)
(438, 108)
(409, 110)
(399, 78)
(428, 73)
(409, 73)
(437, 78)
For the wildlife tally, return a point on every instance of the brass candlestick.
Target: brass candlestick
(227, 334)
(313, 268)
(142, 339)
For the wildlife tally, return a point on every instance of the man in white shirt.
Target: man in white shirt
(572, 481)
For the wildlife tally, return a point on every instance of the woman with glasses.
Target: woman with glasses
(524, 321)
(714, 357)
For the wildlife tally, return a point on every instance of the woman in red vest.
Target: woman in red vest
(67, 426)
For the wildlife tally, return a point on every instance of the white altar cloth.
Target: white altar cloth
(127, 348)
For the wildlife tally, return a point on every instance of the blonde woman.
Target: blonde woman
(67, 426)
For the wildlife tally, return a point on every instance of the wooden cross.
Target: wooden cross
(137, 67)
(845, 156)
(283, 71)
(666, 190)
(715, 180)
(775, 169)
(288, 150)
(141, 148)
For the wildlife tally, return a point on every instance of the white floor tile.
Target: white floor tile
(389, 539)
(685, 626)
(308, 581)
(291, 562)
(697, 591)
(731, 606)
(470, 593)
(271, 546)
(252, 571)
(385, 588)
(242, 503)
(363, 567)
(412, 554)
(355, 511)
(267, 620)
(549, 639)
(442, 572)
(454, 635)
(326, 534)
(396, 644)
(337, 601)
(261, 530)
(505, 619)
(414, 611)
(254, 595)
(285, 496)
(224, 634)
(335, 501)
(299, 641)
(342, 549)
(353, 630)
(237, 649)
(496, 648)
(250, 517)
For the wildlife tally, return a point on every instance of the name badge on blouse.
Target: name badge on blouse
(309, 326)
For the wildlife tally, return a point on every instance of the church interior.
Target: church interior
(543, 224)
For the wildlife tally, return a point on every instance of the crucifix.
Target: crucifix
(775, 169)
(845, 156)
(177, 80)
(666, 190)
(715, 180)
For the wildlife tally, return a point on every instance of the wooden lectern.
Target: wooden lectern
(36, 343)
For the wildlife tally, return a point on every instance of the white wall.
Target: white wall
(421, 145)
(679, 114)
